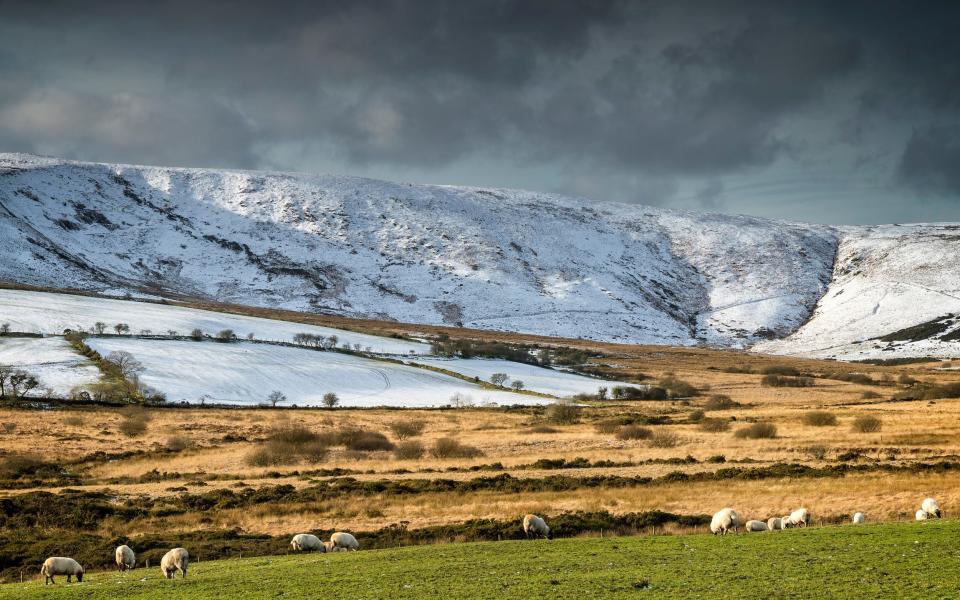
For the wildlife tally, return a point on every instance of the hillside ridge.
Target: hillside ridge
(485, 258)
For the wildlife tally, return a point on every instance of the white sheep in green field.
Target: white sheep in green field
(724, 521)
(176, 560)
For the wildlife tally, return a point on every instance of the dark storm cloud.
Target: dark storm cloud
(637, 101)
(931, 161)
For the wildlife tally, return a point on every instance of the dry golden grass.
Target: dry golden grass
(219, 441)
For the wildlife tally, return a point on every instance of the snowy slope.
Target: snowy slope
(245, 373)
(486, 258)
(40, 312)
(51, 361)
(887, 278)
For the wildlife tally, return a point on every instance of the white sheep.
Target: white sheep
(60, 565)
(785, 522)
(125, 557)
(534, 526)
(931, 507)
(754, 525)
(176, 560)
(774, 523)
(800, 518)
(344, 540)
(724, 521)
(859, 517)
(305, 542)
(329, 547)
(922, 515)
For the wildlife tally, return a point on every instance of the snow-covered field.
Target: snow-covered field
(548, 381)
(50, 360)
(245, 373)
(40, 312)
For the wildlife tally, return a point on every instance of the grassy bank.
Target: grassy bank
(903, 560)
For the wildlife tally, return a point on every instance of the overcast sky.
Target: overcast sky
(834, 112)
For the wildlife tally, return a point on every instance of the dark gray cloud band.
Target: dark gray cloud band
(674, 103)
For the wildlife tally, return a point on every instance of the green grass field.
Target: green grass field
(901, 560)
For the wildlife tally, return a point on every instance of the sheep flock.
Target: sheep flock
(724, 521)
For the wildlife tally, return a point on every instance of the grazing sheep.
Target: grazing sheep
(800, 517)
(176, 560)
(60, 565)
(305, 542)
(931, 507)
(922, 515)
(785, 522)
(754, 525)
(774, 523)
(724, 521)
(126, 559)
(344, 540)
(859, 517)
(534, 526)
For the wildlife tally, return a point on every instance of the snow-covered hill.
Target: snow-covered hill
(895, 293)
(484, 258)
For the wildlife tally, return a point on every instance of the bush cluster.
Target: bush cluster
(819, 418)
(757, 431)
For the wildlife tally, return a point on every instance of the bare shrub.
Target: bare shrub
(696, 416)
(407, 428)
(563, 413)
(263, 457)
(452, 448)
(677, 388)
(780, 370)
(330, 400)
(663, 438)
(408, 450)
(293, 434)
(289, 444)
(715, 425)
(133, 426)
(905, 379)
(543, 429)
(633, 432)
(719, 402)
(370, 441)
(757, 431)
(608, 426)
(867, 424)
(785, 381)
(819, 418)
(177, 443)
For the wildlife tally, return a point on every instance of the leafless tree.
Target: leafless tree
(21, 383)
(125, 362)
(276, 397)
(498, 378)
